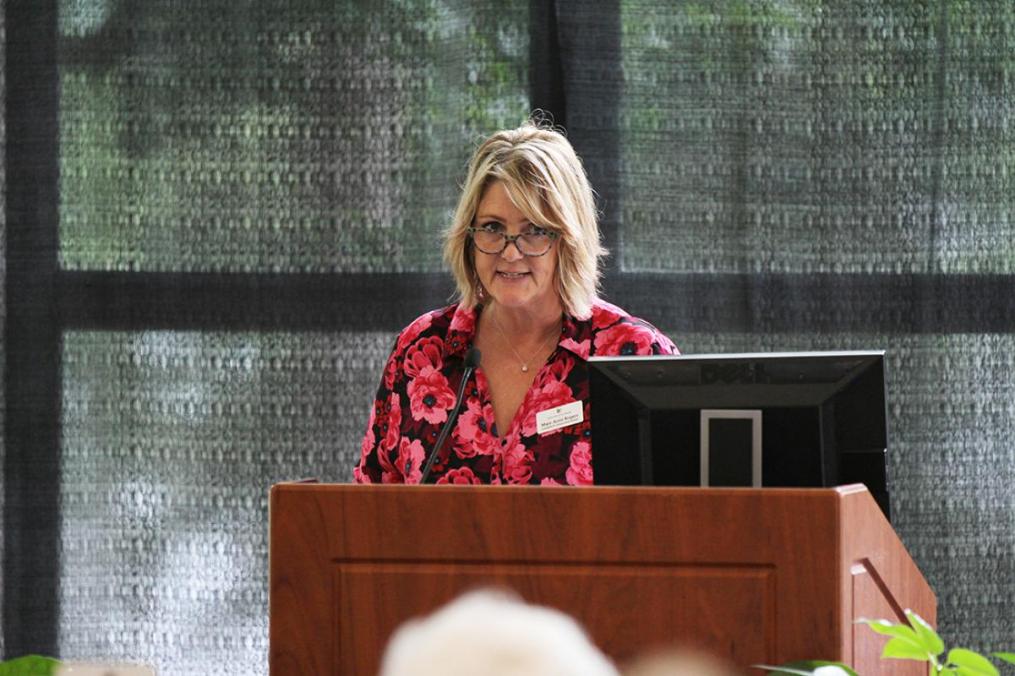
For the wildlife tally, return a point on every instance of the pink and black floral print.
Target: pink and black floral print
(424, 371)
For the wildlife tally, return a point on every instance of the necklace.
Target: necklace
(523, 362)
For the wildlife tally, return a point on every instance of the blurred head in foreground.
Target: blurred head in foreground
(492, 634)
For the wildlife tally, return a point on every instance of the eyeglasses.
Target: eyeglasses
(535, 242)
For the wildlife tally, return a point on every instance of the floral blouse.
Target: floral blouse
(422, 375)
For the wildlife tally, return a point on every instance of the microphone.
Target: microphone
(471, 362)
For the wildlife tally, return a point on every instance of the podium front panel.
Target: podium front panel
(756, 575)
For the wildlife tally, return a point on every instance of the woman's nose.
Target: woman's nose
(511, 252)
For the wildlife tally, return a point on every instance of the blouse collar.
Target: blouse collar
(574, 333)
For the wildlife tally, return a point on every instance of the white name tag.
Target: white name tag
(561, 416)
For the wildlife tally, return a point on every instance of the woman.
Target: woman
(524, 248)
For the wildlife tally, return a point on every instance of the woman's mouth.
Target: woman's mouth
(512, 275)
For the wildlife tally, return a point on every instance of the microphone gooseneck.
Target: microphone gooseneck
(471, 362)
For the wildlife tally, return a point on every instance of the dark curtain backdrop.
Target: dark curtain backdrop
(3, 297)
(218, 214)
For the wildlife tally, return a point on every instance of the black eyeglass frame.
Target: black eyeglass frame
(510, 239)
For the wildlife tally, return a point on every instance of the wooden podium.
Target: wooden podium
(757, 575)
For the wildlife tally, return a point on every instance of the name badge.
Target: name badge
(554, 418)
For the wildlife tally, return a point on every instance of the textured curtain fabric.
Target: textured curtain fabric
(258, 138)
(3, 267)
(837, 174)
(275, 136)
(836, 140)
(259, 141)
(820, 143)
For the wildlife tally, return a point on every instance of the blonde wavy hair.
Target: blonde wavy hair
(545, 179)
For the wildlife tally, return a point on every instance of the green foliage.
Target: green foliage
(916, 640)
(919, 641)
(29, 665)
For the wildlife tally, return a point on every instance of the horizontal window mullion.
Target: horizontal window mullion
(691, 302)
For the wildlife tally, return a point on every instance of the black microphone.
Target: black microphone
(471, 362)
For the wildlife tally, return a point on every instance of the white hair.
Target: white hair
(493, 634)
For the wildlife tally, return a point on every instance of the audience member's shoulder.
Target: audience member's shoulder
(680, 662)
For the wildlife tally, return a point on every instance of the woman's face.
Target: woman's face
(510, 278)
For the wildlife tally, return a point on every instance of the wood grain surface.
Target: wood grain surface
(758, 575)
